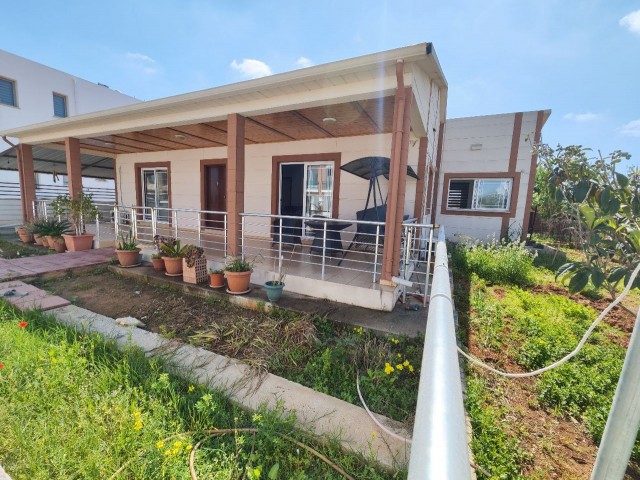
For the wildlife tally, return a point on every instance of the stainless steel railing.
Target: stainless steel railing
(440, 448)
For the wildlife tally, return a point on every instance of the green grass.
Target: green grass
(76, 407)
(16, 249)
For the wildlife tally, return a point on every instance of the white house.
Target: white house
(263, 168)
(33, 93)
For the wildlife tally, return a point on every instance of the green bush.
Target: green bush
(498, 263)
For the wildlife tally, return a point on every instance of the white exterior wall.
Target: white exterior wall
(185, 171)
(34, 88)
(494, 132)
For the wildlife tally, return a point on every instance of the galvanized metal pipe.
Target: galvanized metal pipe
(440, 449)
(624, 418)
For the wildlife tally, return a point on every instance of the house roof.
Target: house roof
(357, 93)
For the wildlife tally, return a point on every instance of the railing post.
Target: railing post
(154, 222)
(225, 235)
(116, 221)
(199, 228)
(134, 222)
(280, 248)
(324, 246)
(242, 237)
(375, 255)
(426, 280)
(98, 226)
(175, 223)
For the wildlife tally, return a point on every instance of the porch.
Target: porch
(338, 260)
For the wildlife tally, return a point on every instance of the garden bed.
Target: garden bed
(520, 320)
(14, 249)
(82, 409)
(310, 350)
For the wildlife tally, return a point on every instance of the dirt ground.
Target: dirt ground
(560, 446)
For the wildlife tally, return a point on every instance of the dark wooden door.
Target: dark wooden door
(215, 195)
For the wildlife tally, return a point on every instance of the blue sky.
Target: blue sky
(579, 58)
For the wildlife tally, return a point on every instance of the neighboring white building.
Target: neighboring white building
(34, 93)
(487, 174)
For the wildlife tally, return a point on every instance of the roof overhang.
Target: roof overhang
(357, 87)
(53, 161)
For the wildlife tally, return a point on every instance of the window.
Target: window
(306, 189)
(480, 194)
(8, 92)
(155, 192)
(59, 105)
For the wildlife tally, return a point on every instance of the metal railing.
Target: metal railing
(336, 249)
(439, 449)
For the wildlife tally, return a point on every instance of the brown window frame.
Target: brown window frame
(306, 158)
(513, 201)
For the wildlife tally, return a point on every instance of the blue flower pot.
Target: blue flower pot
(274, 290)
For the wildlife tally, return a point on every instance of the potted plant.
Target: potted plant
(194, 267)
(172, 253)
(127, 251)
(156, 258)
(216, 278)
(25, 234)
(35, 227)
(274, 288)
(77, 210)
(52, 232)
(238, 271)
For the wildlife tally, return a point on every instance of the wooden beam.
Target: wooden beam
(27, 180)
(423, 177)
(235, 182)
(74, 167)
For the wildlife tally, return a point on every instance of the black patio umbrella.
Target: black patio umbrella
(370, 168)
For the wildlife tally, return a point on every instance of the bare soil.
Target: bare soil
(251, 336)
(560, 447)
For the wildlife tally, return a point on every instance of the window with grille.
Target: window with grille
(480, 194)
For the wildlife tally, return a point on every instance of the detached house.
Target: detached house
(332, 174)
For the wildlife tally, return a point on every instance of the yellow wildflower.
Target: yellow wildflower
(411, 368)
(167, 453)
(191, 388)
(399, 366)
(388, 368)
(406, 363)
(160, 444)
(188, 447)
(138, 425)
(177, 444)
(399, 355)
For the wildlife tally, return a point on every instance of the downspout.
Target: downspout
(20, 177)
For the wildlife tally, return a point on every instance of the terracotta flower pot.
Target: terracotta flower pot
(216, 280)
(77, 243)
(38, 239)
(128, 258)
(58, 244)
(173, 266)
(25, 235)
(158, 264)
(238, 282)
(48, 242)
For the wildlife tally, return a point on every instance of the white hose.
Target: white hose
(375, 420)
(584, 339)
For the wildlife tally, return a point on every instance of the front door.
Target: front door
(215, 195)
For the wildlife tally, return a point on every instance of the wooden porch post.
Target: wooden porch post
(74, 167)
(235, 182)
(419, 205)
(397, 177)
(436, 174)
(27, 180)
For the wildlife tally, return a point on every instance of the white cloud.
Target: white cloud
(582, 117)
(631, 129)
(140, 57)
(304, 62)
(631, 22)
(141, 62)
(251, 68)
